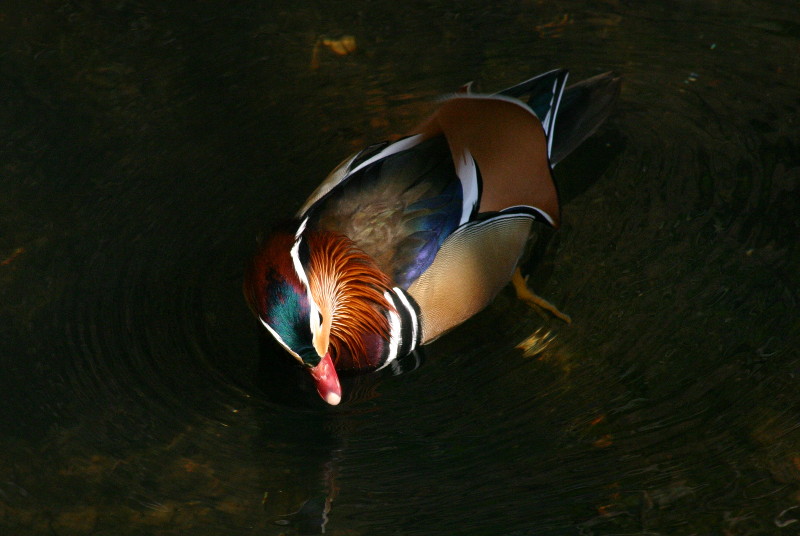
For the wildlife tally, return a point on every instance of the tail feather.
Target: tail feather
(584, 106)
(544, 95)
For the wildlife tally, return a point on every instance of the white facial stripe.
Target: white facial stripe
(313, 317)
(412, 314)
(394, 332)
(278, 338)
(314, 312)
(298, 266)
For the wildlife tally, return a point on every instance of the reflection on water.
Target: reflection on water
(145, 144)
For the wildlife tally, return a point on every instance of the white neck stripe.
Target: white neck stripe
(412, 315)
(394, 333)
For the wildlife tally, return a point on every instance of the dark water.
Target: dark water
(145, 145)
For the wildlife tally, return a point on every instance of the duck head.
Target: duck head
(324, 300)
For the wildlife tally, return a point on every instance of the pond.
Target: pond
(146, 144)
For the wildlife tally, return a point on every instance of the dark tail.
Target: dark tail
(584, 106)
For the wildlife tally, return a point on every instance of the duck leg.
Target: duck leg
(537, 302)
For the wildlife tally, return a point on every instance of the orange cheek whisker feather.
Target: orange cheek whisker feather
(348, 286)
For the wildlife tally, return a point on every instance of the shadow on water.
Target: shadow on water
(574, 176)
(143, 146)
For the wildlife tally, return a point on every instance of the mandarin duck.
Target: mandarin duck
(403, 241)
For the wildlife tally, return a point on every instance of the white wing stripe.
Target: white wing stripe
(468, 175)
(553, 112)
(396, 147)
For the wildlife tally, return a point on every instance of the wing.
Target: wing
(544, 96)
(398, 204)
(509, 146)
(339, 174)
(476, 154)
(473, 264)
(584, 107)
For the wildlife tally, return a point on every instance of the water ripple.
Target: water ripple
(135, 375)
